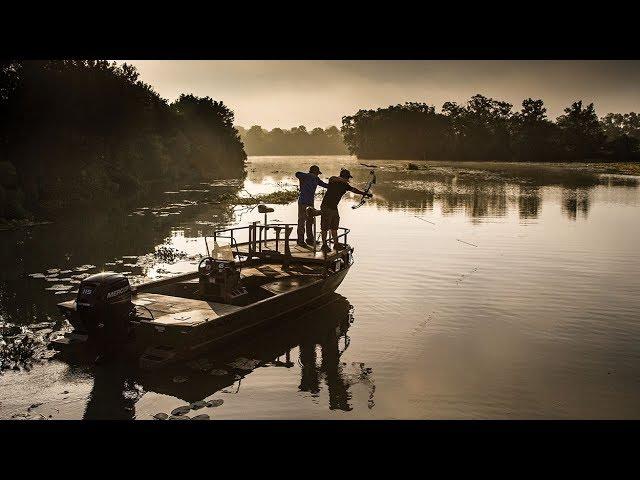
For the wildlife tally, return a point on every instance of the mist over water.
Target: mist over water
(478, 291)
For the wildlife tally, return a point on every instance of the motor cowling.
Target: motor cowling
(104, 304)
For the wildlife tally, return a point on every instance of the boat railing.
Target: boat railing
(254, 241)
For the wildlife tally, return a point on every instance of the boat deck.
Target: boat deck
(170, 310)
(297, 251)
(275, 270)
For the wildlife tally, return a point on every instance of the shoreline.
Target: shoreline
(616, 168)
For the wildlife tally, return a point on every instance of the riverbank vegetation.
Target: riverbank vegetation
(280, 197)
(488, 129)
(297, 141)
(79, 131)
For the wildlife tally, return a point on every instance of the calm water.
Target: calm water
(479, 291)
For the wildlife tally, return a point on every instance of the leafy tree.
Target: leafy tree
(581, 132)
(297, 141)
(487, 129)
(77, 130)
(535, 137)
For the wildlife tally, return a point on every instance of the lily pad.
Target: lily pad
(198, 405)
(181, 410)
(204, 416)
(244, 363)
(181, 417)
(161, 416)
(215, 402)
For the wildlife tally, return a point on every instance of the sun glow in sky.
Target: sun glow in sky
(275, 93)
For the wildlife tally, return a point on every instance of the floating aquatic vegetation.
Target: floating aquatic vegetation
(65, 271)
(168, 254)
(84, 268)
(53, 278)
(203, 416)
(215, 403)
(161, 416)
(41, 325)
(80, 276)
(218, 372)
(37, 275)
(415, 166)
(131, 265)
(53, 270)
(181, 410)
(202, 364)
(244, 363)
(181, 417)
(59, 287)
(198, 405)
(281, 197)
(22, 346)
(179, 379)
(110, 264)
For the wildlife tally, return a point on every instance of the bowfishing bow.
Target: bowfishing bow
(372, 182)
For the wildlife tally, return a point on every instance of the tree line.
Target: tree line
(488, 129)
(72, 131)
(297, 141)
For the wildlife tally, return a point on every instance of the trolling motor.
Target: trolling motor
(219, 279)
(104, 307)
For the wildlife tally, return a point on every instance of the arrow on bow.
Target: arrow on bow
(372, 182)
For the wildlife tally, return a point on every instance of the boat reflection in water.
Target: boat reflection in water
(312, 342)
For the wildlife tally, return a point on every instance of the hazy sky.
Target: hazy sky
(318, 93)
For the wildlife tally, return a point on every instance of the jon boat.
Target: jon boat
(235, 288)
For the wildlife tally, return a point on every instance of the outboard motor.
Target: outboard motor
(104, 306)
(219, 279)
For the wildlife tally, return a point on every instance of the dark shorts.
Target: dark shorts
(329, 219)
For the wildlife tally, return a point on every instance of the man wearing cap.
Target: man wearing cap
(330, 220)
(308, 183)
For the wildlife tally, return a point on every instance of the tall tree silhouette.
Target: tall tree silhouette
(488, 129)
(79, 130)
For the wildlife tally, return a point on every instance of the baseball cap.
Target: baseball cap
(344, 173)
